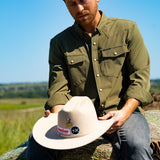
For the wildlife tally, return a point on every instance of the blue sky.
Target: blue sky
(26, 27)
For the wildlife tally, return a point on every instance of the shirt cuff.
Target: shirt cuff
(140, 94)
(57, 99)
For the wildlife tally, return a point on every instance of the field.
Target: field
(17, 117)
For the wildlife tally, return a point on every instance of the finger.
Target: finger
(47, 113)
(107, 116)
(111, 130)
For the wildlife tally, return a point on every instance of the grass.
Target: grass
(16, 123)
(21, 103)
(17, 106)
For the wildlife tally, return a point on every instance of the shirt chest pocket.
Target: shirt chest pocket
(112, 60)
(76, 64)
(74, 60)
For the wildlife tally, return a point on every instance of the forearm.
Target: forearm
(129, 107)
(56, 108)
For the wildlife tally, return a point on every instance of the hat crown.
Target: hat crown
(77, 118)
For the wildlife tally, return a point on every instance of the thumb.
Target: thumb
(47, 113)
(107, 116)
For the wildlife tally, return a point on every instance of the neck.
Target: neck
(90, 28)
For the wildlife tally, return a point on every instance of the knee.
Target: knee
(140, 147)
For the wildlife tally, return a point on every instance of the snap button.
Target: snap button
(115, 53)
(95, 59)
(72, 61)
(102, 105)
(100, 89)
(94, 43)
(97, 75)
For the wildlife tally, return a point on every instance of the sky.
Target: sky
(26, 27)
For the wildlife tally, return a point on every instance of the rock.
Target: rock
(99, 149)
(153, 119)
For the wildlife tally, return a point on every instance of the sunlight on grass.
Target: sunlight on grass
(21, 103)
(6, 106)
(15, 127)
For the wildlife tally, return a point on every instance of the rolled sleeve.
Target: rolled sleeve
(138, 63)
(56, 99)
(140, 94)
(58, 92)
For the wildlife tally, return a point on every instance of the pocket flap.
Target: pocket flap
(114, 51)
(74, 59)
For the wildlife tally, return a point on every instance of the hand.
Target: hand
(121, 115)
(47, 113)
(120, 119)
(55, 109)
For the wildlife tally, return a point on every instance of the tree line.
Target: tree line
(39, 90)
(24, 90)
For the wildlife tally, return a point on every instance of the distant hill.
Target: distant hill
(39, 90)
(24, 90)
(155, 85)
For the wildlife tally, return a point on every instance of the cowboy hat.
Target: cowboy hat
(74, 126)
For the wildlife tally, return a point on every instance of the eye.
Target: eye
(83, 1)
(71, 4)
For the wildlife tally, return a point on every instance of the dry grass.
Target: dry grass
(16, 125)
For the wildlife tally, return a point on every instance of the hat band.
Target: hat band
(74, 131)
(65, 131)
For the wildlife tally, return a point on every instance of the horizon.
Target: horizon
(38, 82)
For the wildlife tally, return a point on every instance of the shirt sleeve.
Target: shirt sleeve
(138, 63)
(58, 92)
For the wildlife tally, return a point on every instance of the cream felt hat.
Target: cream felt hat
(74, 126)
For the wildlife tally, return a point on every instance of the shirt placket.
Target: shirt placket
(96, 70)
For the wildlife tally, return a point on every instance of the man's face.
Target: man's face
(83, 11)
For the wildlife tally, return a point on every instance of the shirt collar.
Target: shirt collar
(78, 29)
(100, 28)
(102, 24)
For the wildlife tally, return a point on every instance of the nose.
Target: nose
(80, 7)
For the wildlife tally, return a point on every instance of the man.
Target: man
(105, 59)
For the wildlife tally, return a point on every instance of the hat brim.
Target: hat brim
(45, 133)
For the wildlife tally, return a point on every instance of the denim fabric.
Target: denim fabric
(37, 152)
(132, 140)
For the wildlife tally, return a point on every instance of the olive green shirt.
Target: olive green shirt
(109, 67)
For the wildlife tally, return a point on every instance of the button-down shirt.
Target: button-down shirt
(109, 67)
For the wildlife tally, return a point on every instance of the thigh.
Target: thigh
(36, 151)
(135, 130)
(134, 138)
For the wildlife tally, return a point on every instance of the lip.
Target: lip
(82, 16)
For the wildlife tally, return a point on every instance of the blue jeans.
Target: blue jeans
(131, 142)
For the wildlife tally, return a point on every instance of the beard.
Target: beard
(86, 17)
